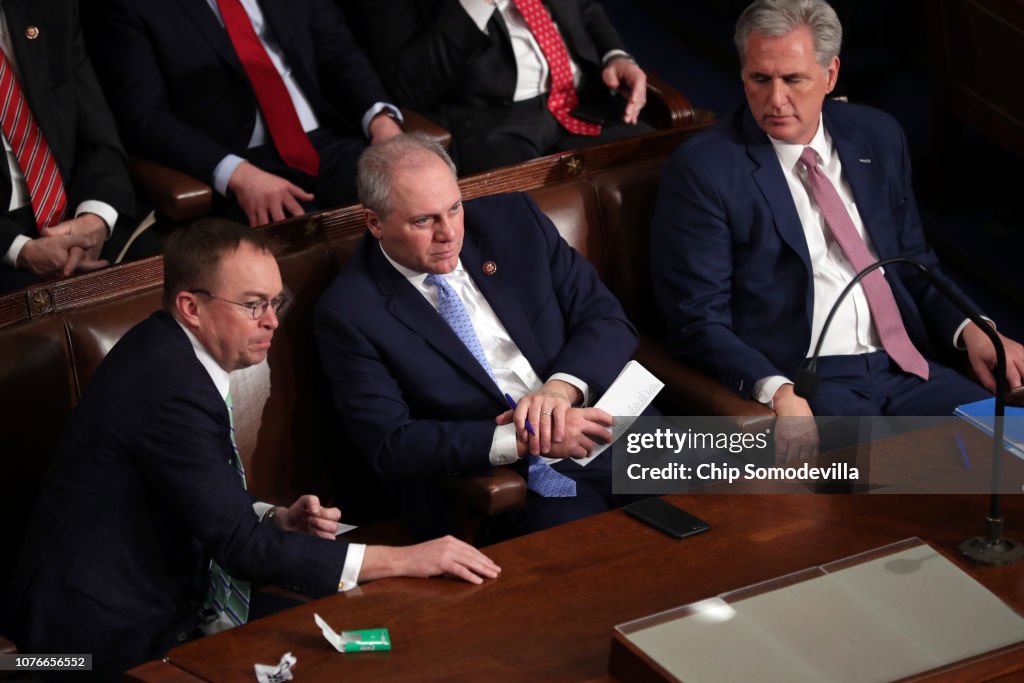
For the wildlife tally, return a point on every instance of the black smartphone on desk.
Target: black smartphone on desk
(666, 517)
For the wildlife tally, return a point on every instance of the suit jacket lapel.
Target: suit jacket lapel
(34, 66)
(410, 308)
(212, 31)
(502, 292)
(864, 173)
(772, 183)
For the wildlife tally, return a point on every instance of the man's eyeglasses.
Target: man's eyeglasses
(257, 309)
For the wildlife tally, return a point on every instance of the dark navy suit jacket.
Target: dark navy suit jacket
(179, 90)
(414, 399)
(731, 269)
(429, 52)
(67, 103)
(141, 496)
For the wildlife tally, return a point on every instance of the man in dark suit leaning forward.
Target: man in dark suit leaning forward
(444, 309)
(761, 223)
(144, 519)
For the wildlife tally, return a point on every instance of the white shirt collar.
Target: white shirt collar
(220, 376)
(789, 154)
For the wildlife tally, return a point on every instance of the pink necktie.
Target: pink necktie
(45, 185)
(562, 98)
(290, 141)
(884, 311)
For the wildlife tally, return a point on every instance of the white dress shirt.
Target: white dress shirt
(852, 331)
(222, 380)
(19, 188)
(531, 67)
(307, 117)
(513, 371)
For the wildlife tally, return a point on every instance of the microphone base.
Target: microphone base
(994, 549)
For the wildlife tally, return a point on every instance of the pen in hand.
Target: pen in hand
(512, 405)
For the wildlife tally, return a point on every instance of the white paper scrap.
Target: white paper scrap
(268, 673)
(344, 528)
(627, 397)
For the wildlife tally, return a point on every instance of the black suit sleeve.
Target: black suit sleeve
(184, 450)
(422, 49)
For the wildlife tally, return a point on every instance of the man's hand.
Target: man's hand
(982, 355)
(796, 434)
(622, 72)
(265, 197)
(307, 515)
(583, 429)
(434, 558)
(383, 127)
(546, 409)
(66, 248)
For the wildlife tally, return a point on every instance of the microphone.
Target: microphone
(992, 548)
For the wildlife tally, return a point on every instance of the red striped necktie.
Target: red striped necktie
(562, 98)
(290, 140)
(45, 185)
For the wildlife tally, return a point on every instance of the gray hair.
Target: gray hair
(373, 180)
(777, 18)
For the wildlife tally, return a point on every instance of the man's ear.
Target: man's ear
(187, 306)
(373, 223)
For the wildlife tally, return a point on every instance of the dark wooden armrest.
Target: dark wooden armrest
(7, 647)
(418, 123)
(176, 195)
(666, 106)
(690, 392)
(500, 492)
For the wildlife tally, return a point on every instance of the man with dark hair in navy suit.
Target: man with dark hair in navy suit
(761, 222)
(447, 307)
(144, 535)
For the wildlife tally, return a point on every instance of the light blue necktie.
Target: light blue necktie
(227, 597)
(541, 479)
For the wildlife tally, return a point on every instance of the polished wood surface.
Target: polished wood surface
(550, 616)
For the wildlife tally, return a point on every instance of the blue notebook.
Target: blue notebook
(981, 414)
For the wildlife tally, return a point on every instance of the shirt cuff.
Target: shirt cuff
(503, 445)
(958, 342)
(576, 382)
(105, 211)
(612, 54)
(223, 171)
(260, 508)
(353, 565)
(11, 257)
(479, 11)
(765, 388)
(377, 108)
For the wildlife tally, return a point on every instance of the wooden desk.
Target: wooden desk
(550, 615)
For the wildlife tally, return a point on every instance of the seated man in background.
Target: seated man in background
(761, 222)
(270, 103)
(447, 308)
(511, 79)
(144, 535)
(66, 183)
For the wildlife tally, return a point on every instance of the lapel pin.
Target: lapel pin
(32, 32)
(490, 268)
(864, 161)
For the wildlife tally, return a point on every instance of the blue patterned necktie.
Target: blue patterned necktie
(541, 479)
(227, 598)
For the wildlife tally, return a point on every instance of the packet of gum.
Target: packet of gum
(367, 640)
